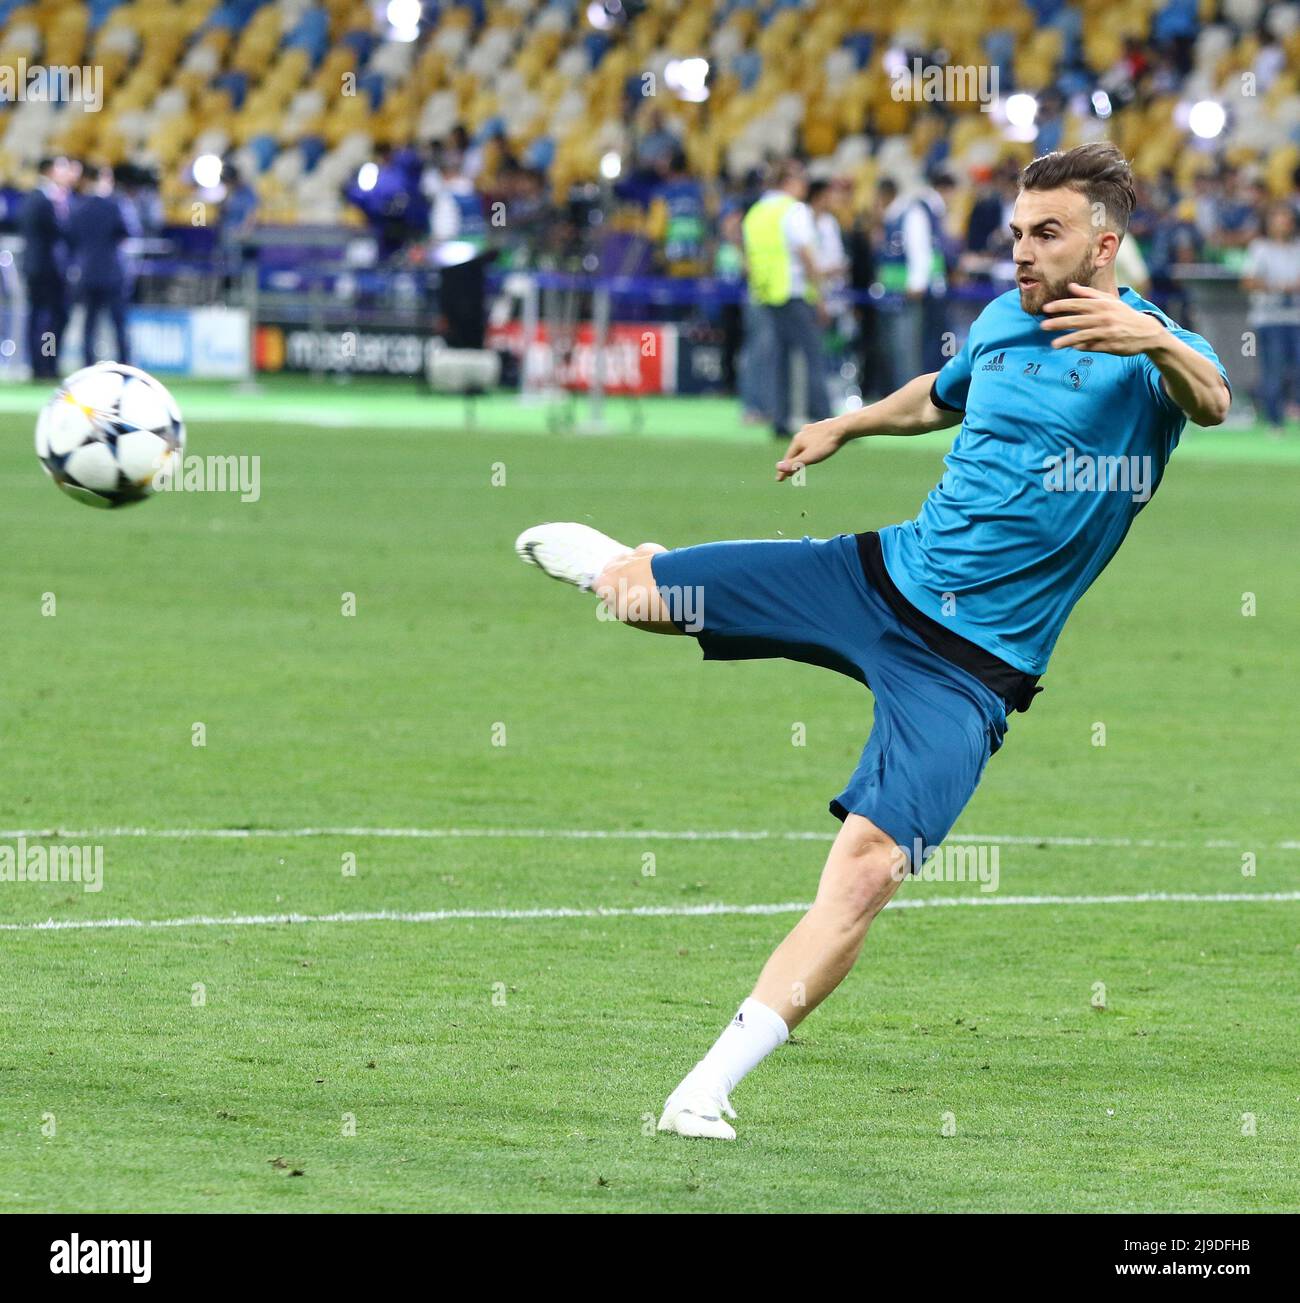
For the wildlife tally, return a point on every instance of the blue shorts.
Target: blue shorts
(935, 723)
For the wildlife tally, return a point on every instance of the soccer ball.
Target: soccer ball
(110, 435)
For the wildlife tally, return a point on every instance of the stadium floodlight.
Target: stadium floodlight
(895, 62)
(1021, 110)
(603, 14)
(367, 176)
(404, 19)
(1207, 118)
(688, 79)
(1101, 103)
(207, 171)
(611, 166)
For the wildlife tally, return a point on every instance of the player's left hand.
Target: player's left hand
(1100, 323)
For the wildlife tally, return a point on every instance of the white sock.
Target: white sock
(750, 1037)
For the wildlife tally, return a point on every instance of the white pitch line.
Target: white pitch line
(621, 834)
(640, 911)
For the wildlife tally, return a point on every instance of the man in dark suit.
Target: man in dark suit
(41, 220)
(96, 230)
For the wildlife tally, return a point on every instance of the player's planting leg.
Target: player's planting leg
(864, 869)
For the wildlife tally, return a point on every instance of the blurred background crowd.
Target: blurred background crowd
(633, 138)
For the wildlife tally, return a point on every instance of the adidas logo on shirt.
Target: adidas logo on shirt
(995, 363)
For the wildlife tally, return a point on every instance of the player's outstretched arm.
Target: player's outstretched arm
(906, 411)
(1102, 323)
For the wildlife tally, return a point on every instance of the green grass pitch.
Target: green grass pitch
(476, 1062)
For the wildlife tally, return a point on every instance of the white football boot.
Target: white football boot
(698, 1112)
(568, 551)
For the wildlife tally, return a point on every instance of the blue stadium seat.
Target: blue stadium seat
(862, 44)
(1177, 18)
(1048, 139)
(310, 33)
(540, 153)
(372, 84)
(748, 67)
(234, 14)
(234, 82)
(264, 149)
(597, 44)
(313, 149)
(361, 43)
(1000, 46)
(99, 11)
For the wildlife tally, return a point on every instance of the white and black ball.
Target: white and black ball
(110, 435)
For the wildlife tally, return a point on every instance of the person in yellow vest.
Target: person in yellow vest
(784, 278)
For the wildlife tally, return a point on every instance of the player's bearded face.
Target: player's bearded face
(1052, 286)
(1055, 243)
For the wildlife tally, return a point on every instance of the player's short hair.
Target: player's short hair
(1097, 170)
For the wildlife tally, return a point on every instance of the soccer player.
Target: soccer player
(1071, 394)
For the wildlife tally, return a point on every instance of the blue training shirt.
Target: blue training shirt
(1057, 453)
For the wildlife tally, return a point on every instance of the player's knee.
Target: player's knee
(625, 586)
(868, 868)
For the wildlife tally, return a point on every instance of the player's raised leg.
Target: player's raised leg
(863, 870)
(570, 552)
(594, 562)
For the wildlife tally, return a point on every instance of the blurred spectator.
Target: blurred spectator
(832, 260)
(1174, 243)
(677, 219)
(657, 144)
(780, 251)
(828, 200)
(459, 230)
(1207, 200)
(988, 235)
(986, 223)
(1270, 60)
(471, 155)
(239, 209)
(911, 261)
(42, 222)
(1049, 121)
(862, 248)
(529, 214)
(729, 266)
(1237, 220)
(1131, 267)
(97, 228)
(387, 191)
(1272, 275)
(457, 212)
(137, 191)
